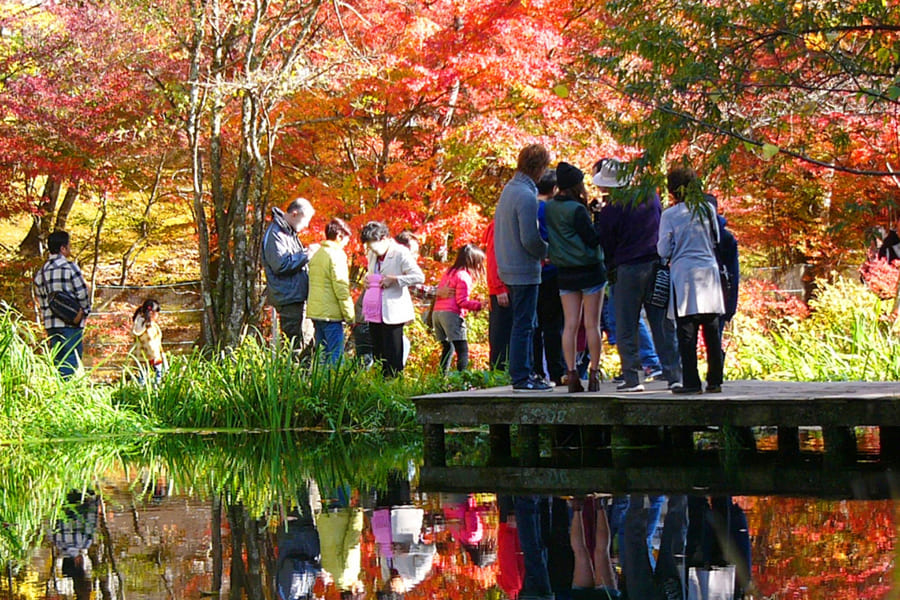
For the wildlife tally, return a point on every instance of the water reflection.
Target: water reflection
(334, 517)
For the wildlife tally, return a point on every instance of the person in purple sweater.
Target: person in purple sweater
(629, 227)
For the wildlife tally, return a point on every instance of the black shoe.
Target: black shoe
(713, 389)
(532, 385)
(687, 390)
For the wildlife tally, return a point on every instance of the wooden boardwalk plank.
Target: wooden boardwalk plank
(742, 403)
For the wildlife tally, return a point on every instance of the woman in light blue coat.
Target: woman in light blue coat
(688, 235)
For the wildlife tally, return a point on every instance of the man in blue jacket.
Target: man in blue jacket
(286, 262)
(519, 250)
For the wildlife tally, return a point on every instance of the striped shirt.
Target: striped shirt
(58, 274)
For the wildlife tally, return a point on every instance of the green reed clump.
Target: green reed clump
(846, 337)
(37, 403)
(252, 387)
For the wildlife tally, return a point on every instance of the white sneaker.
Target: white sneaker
(675, 385)
(625, 387)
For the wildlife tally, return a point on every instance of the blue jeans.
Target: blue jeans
(499, 327)
(536, 583)
(330, 339)
(67, 346)
(641, 576)
(649, 359)
(523, 301)
(631, 286)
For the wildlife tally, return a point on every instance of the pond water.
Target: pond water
(283, 515)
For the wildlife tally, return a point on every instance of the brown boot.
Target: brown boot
(594, 380)
(574, 382)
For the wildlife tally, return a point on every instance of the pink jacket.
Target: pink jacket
(461, 282)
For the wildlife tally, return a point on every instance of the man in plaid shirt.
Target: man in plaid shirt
(59, 274)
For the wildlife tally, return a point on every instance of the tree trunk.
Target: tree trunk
(33, 244)
(192, 126)
(216, 527)
(62, 216)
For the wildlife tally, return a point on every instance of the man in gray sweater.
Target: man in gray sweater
(520, 250)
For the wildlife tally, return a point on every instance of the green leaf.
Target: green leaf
(893, 93)
(769, 151)
(561, 90)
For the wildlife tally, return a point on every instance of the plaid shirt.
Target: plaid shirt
(56, 275)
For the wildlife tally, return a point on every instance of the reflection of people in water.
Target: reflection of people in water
(511, 572)
(667, 579)
(299, 552)
(73, 534)
(593, 577)
(466, 523)
(543, 527)
(404, 556)
(340, 534)
(718, 536)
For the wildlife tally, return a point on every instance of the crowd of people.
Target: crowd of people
(563, 266)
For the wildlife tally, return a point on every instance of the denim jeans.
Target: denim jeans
(523, 300)
(499, 328)
(631, 285)
(640, 576)
(330, 339)
(647, 350)
(536, 583)
(67, 346)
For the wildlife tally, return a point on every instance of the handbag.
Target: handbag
(64, 305)
(428, 313)
(657, 293)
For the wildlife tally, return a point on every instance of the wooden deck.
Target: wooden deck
(835, 406)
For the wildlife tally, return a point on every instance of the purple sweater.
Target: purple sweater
(629, 233)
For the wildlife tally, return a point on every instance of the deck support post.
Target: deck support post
(840, 444)
(889, 442)
(435, 448)
(529, 445)
(789, 442)
(500, 444)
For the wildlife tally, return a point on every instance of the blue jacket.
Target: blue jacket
(728, 254)
(285, 261)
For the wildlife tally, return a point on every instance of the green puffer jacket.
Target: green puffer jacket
(329, 285)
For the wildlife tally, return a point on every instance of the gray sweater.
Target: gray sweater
(517, 240)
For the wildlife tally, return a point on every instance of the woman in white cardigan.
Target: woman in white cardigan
(688, 234)
(392, 268)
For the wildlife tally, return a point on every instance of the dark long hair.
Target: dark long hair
(577, 192)
(149, 305)
(469, 258)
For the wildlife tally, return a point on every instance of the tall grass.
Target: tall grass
(250, 387)
(35, 402)
(846, 337)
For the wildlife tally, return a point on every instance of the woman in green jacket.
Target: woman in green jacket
(330, 304)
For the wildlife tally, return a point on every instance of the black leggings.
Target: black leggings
(462, 355)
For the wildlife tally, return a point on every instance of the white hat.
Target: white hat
(612, 174)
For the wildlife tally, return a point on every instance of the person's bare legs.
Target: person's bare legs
(604, 575)
(593, 304)
(571, 304)
(583, 571)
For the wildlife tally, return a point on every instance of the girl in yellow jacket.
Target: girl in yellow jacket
(147, 348)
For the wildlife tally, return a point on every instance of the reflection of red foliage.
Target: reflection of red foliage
(761, 301)
(823, 549)
(881, 276)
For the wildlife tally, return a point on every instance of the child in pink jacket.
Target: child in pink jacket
(450, 312)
